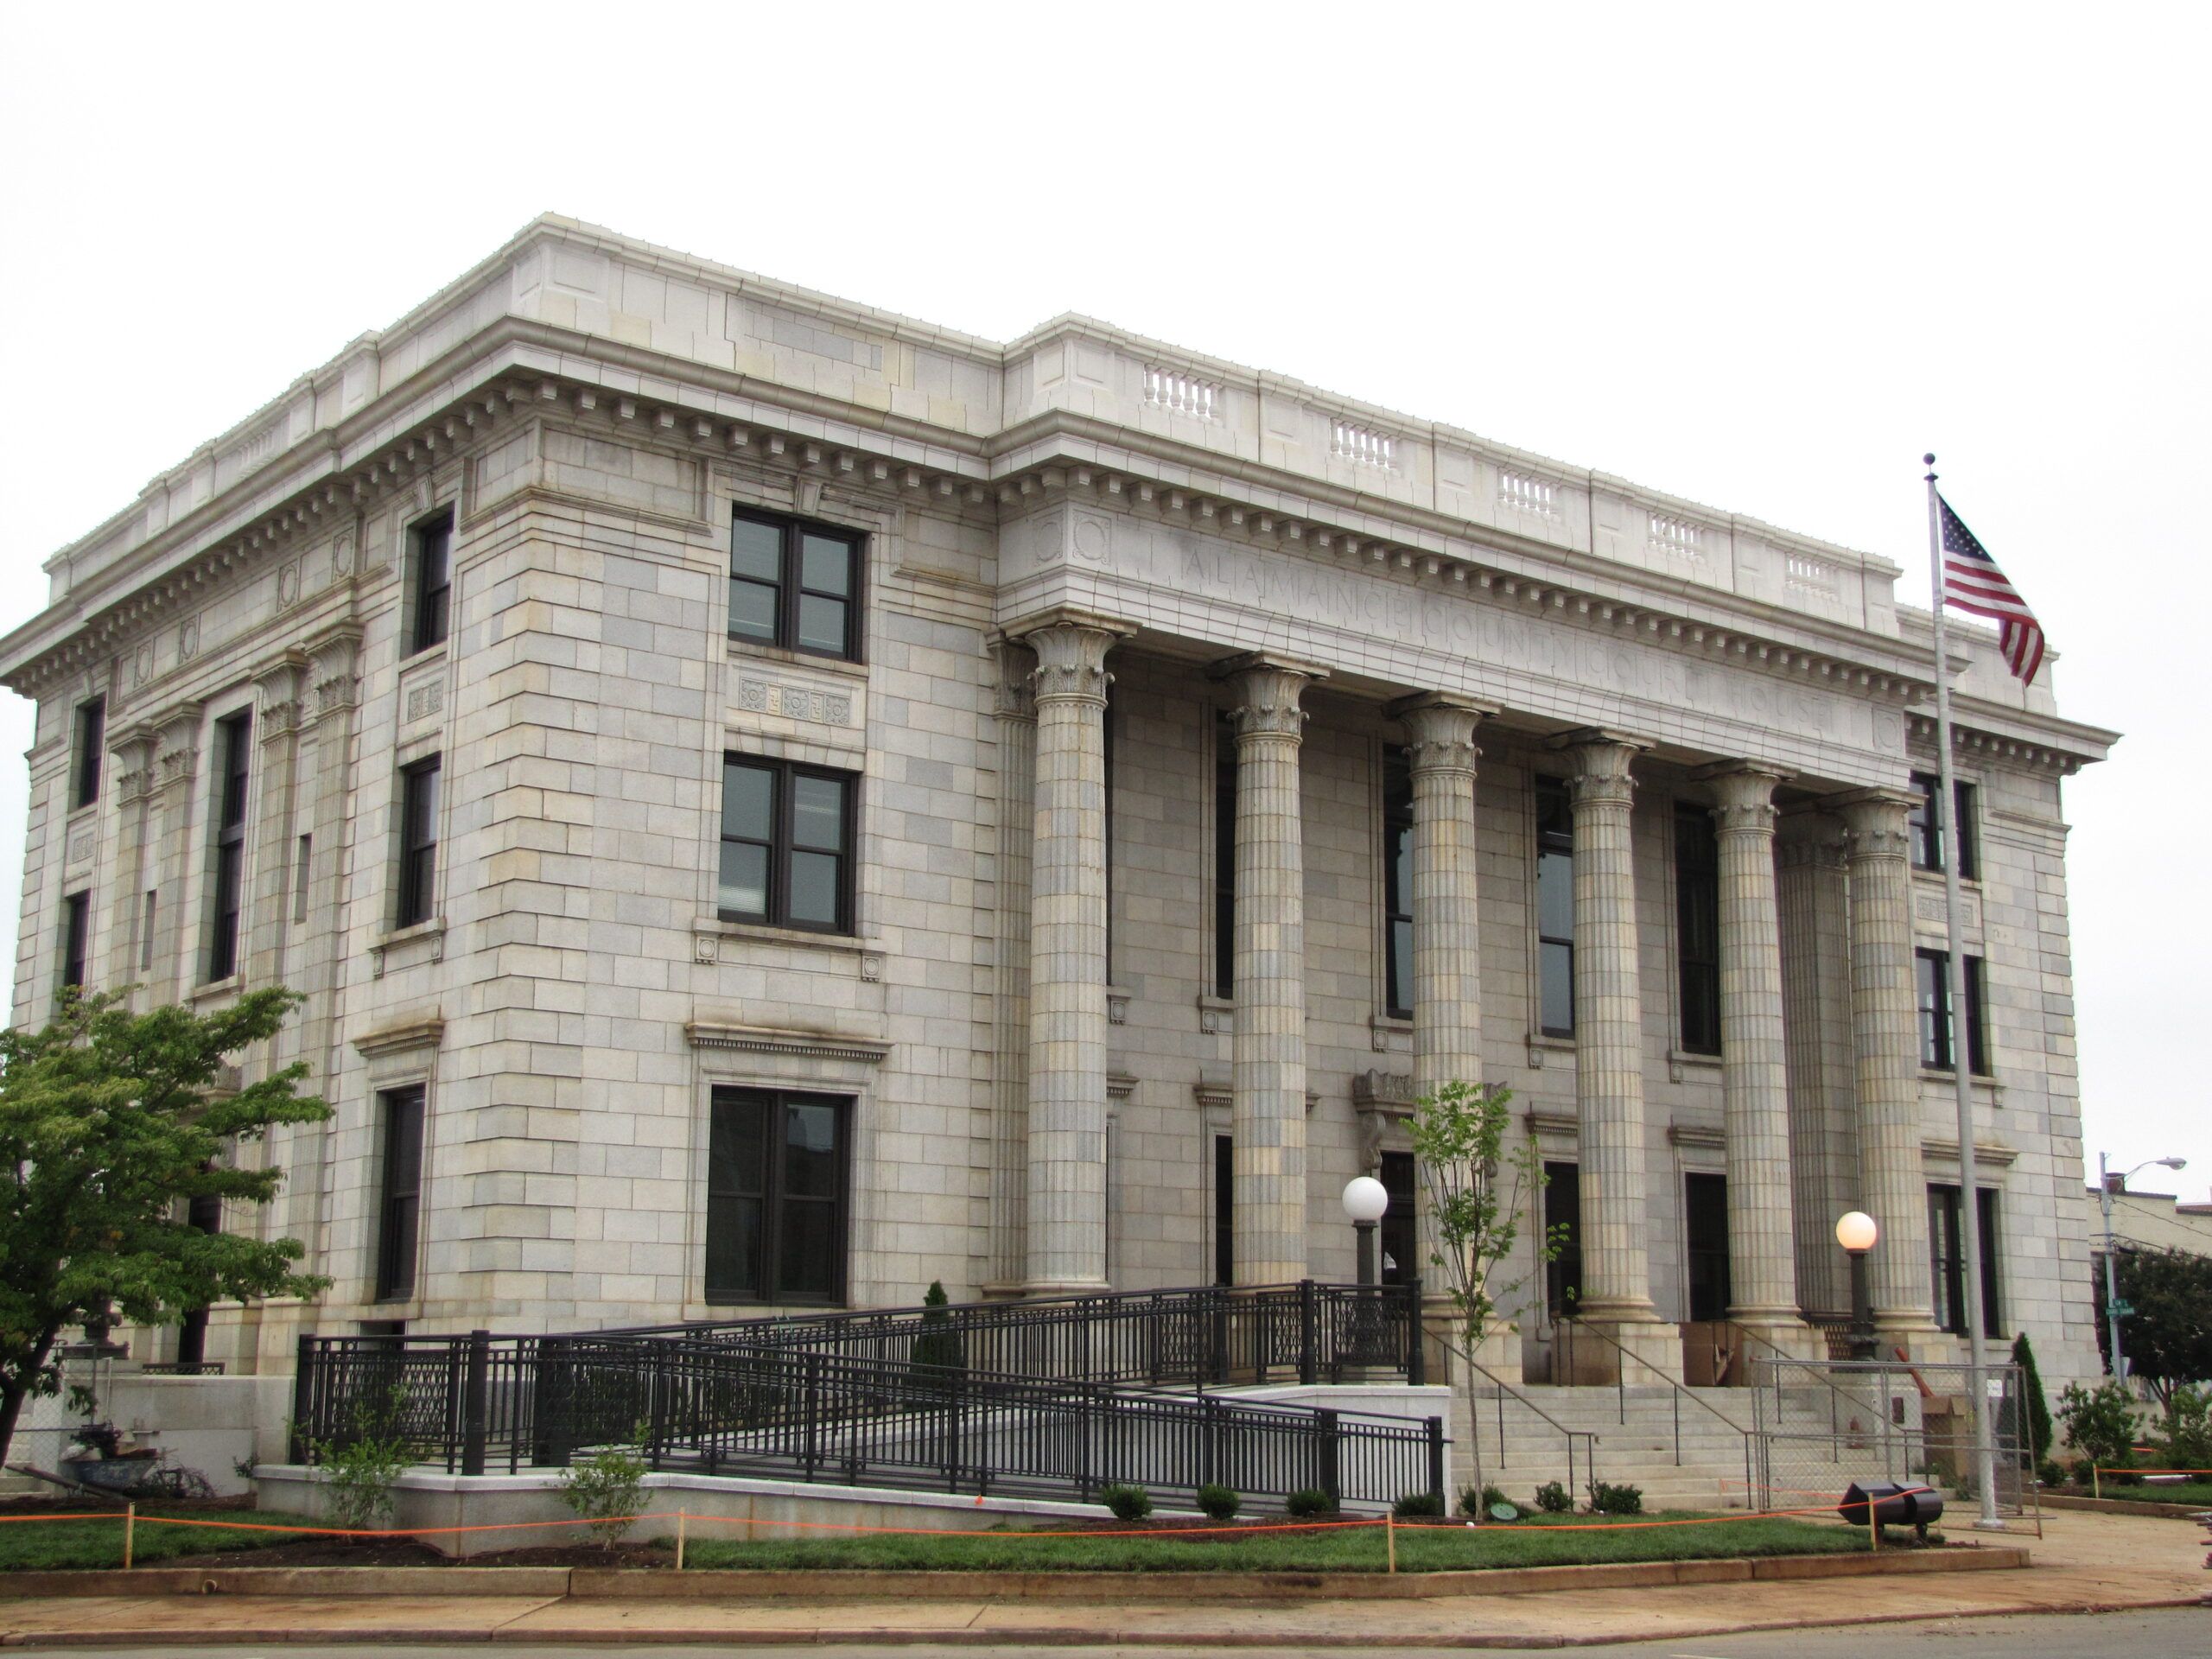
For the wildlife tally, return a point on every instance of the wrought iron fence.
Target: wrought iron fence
(1023, 1398)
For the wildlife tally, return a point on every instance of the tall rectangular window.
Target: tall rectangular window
(1555, 908)
(301, 868)
(1697, 928)
(1399, 1235)
(1398, 885)
(1932, 977)
(203, 1213)
(1924, 823)
(794, 584)
(418, 842)
(92, 742)
(775, 1196)
(1947, 1256)
(1224, 1209)
(235, 738)
(76, 939)
(1563, 1221)
(1705, 1240)
(399, 1208)
(787, 844)
(432, 553)
(1225, 855)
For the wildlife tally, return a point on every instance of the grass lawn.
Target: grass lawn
(1549, 1541)
(2195, 1494)
(39, 1544)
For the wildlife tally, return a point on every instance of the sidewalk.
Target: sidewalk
(2084, 1563)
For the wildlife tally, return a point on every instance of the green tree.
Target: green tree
(1475, 1189)
(2167, 1340)
(110, 1125)
(2038, 1423)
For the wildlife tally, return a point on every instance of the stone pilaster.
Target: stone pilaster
(1754, 1061)
(268, 913)
(1816, 993)
(131, 767)
(1267, 1066)
(1886, 1040)
(176, 763)
(1065, 1209)
(1609, 1050)
(1016, 712)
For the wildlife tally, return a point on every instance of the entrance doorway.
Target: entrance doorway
(1705, 1227)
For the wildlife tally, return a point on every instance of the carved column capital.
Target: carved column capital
(1070, 653)
(278, 689)
(1874, 822)
(133, 752)
(1743, 795)
(177, 744)
(1014, 695)
(1264, 692)
(1601, 760)
(1441, 731)
(332, 659)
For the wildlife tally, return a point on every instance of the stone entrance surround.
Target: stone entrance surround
(1088, 562)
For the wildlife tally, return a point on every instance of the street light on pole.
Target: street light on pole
(1365, 1201)
(2111, 1291)
(1857, 1233)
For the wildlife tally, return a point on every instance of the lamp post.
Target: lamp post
(1857, 1232)
(1365, 1201)
(2112, 1291)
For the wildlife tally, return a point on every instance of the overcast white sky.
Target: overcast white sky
(1761, 257)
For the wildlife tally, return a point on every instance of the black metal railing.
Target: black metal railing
(1303, 1332)
(1054, 1396)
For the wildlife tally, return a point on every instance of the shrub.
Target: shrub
(2050, 1473)
(2082, 1471)
(2186, 1435)
(937, 1351)
(1128, 1503)
(1470, 1502)
(1553, 1498)
(1309, 1503)
(2101, 1424)
(2038, 1428)
(1219, 1503)
(1608, 1499)
(608, 1488)
(1419, 1505)
(361, 1469)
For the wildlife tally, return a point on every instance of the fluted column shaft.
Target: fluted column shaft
(131, 767)
(1447, 944)
(1608, 1034)
(1017, 735)
(176, 968)
(1754, 1060)
(1886, 1042)
(1816, 990)
(1267, 1070)
(1066, 1197)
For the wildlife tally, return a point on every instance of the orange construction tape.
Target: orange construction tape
(2138, 1469)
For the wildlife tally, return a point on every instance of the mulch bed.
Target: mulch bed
(406, 1552)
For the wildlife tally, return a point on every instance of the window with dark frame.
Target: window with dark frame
(1925, 825)
(1555, 908)
(1224, 1209)
(92, 742)
(399, 1208)
(1697, 928)
(1947, 1258)
(236, 734)
(1563, 1222)
(1397, 884)
(418, 842)
(76, 939)
(1399, 1235)
(775, 1196)
(787, 844)
(203, 1213)
(1705, 1241)
(1932, 986)
(794, 584)
(433, 558)
(1225, 855)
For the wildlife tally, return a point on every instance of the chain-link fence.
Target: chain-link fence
(1819, 1425)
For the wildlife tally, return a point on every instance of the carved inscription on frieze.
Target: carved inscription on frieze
(794, 702)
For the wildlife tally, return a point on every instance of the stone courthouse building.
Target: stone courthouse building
(773, 803)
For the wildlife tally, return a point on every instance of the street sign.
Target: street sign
(2120, 1310)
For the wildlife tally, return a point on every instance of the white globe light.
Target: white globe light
(1366, 1198)
(1857, 1232)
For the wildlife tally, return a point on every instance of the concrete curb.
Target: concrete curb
(2125, 1506)
(596, 1583)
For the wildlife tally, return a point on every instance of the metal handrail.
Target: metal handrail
(1576, 1329)
(1474, 1428)
(1835, 1390)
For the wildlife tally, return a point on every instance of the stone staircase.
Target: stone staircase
(1643, 1450)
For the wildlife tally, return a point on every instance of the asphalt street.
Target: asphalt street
(2169, 1633)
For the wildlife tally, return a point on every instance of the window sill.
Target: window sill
(229, 985)
(754, 651)
(709, 932)
(1949, 1078)
(1682, 1061)
(1541, 1044)
(1217, 1014)
(432, 932)
(1388, 1031)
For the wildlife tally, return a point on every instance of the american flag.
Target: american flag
(1972, 582)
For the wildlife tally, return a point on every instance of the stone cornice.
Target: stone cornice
(405, 1035)
(765, 1039)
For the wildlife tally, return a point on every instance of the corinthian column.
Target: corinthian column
(1267, 1066)
(1609, 1052)
(1886, 1040)
(1066, 1198)
(1754, 1061)
(1016, 710)
(1816, 990)
(1447, 948)
(176, 964)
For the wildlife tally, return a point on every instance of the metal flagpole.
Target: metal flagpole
(1946, 809)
